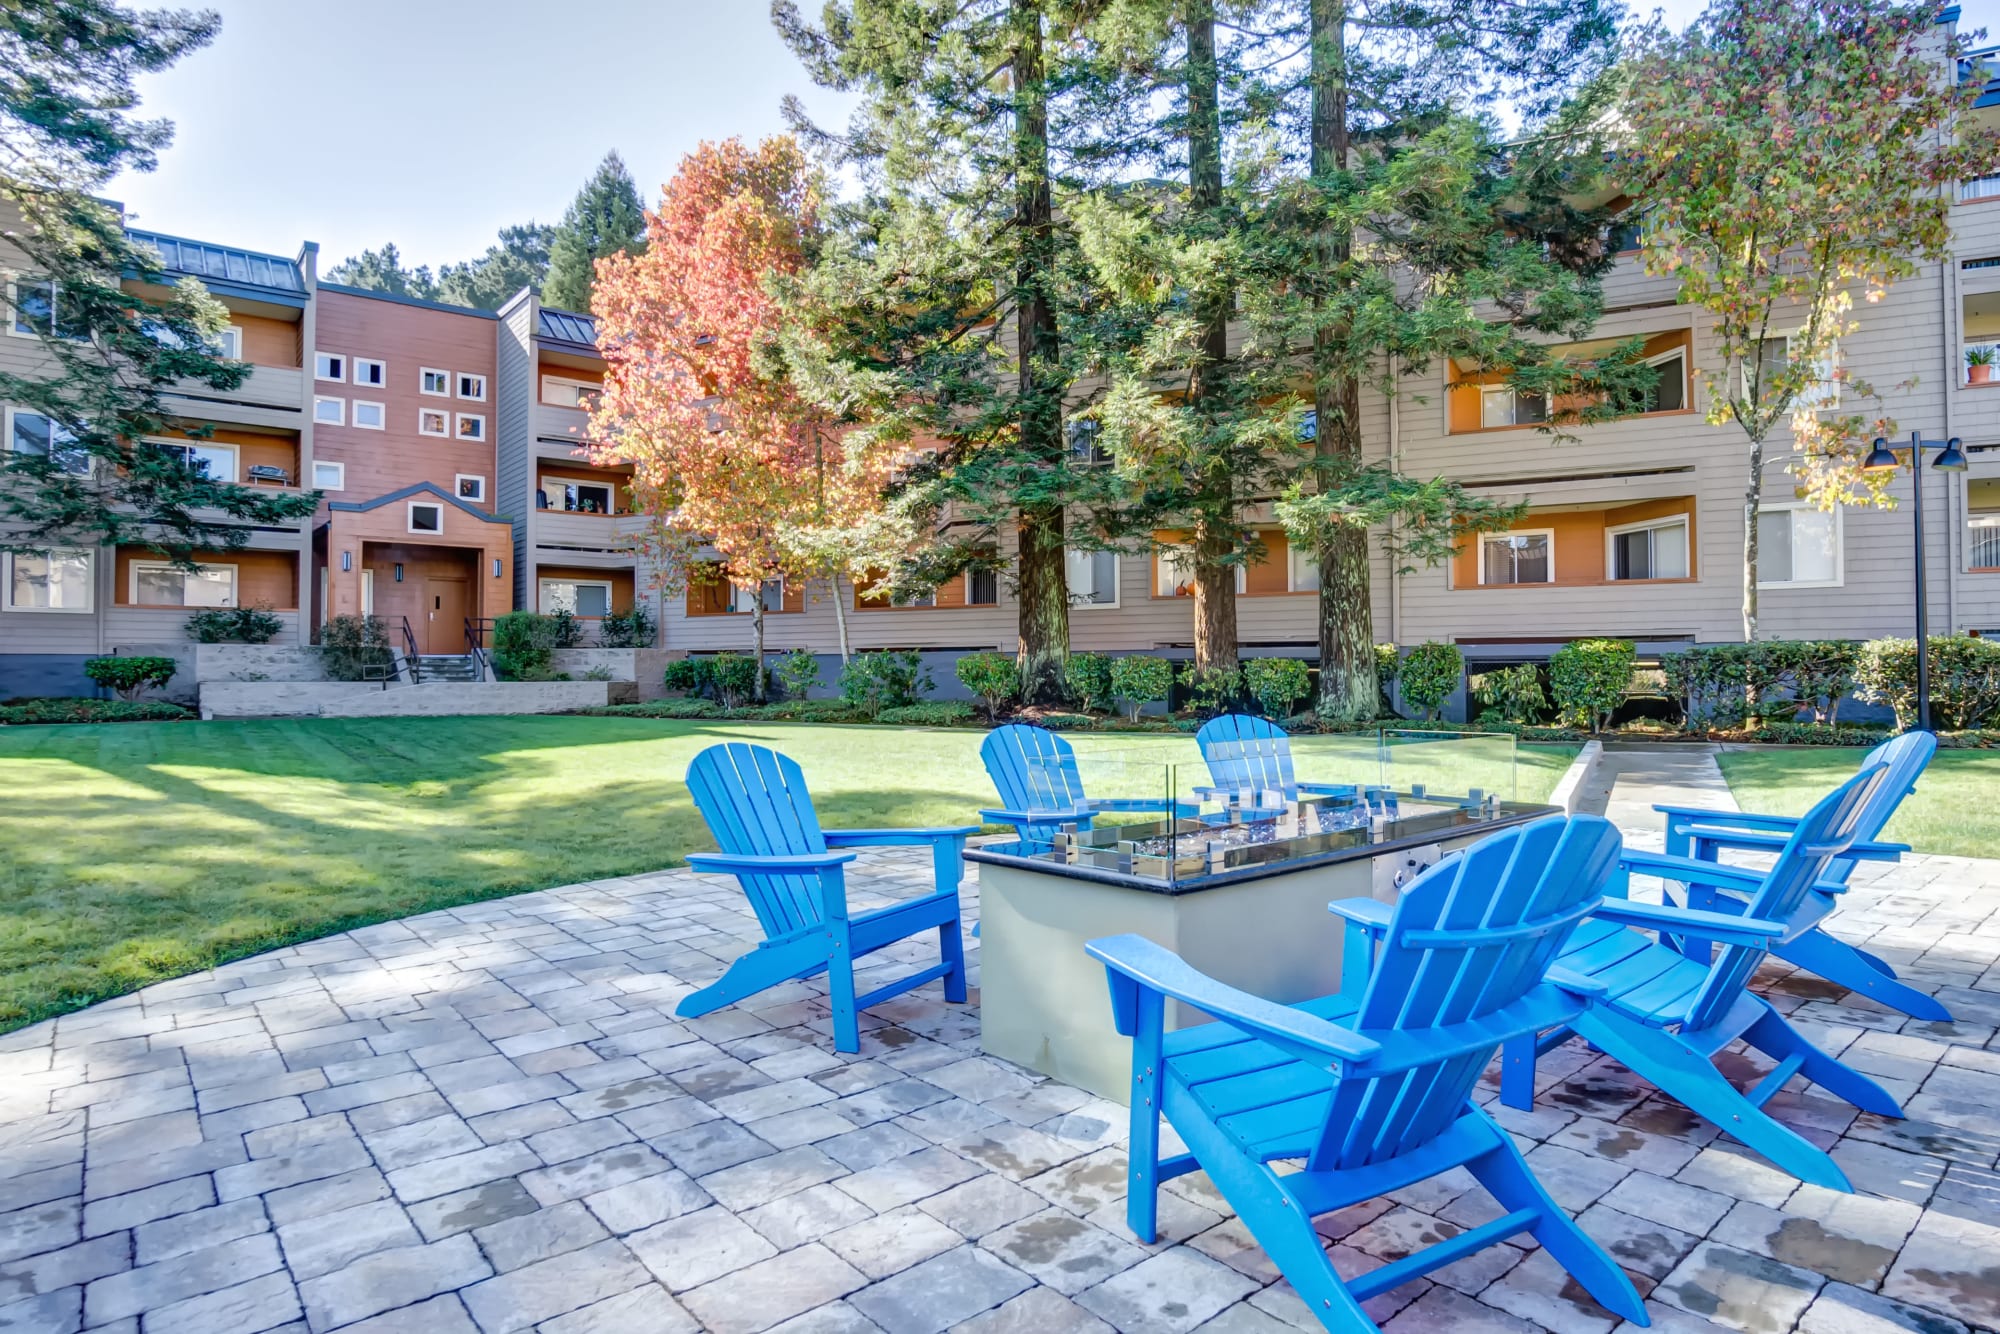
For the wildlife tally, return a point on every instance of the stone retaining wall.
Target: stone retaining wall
(257, 662)
(367, 699)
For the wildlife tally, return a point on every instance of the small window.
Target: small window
(586, 598)
(1797, 547)
(229, 344)
(426, 516)
(1084, 450)
(1173, 574)
(370, 416)
(1821, 393)
(226, 345)
(1668, 392)
(1093, 578)
(1501, 406)
(330, 411)
(577, 497)
(771, 591)
(565, 393)
(471, 426)
(329, 476)
(982, 588)
(58, 580)
(1301, 569)
(1309, 425)
(155, 584)
(329, 366)
(371, 372)
(472, 387)
(928, 598)
(471, 488)
(433, 421)
(1654, 550)
(45, 437)
(210, 460)
(1517, 558)
(434, 382)
(34, 303)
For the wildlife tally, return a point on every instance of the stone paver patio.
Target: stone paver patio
(488, 1120)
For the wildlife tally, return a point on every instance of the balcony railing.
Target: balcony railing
(1983, 187)
(1983, 538)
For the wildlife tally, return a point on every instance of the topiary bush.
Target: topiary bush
(1276, 684)
(1589, 679)
(1088, 676)
(798, 673)
(1514, 693)
(233, 625)
(524, 645)
(991, 676)
(1965, 680)
(886, 679)
(1212, 690)
(128, 676)
(356, 648)
(1139, 681)
(735, 678)
(1428, 674)
(930, 713)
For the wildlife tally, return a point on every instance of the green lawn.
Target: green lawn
(135, 852)
(1953, 809)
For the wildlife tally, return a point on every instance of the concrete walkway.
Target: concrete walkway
(1633, 776)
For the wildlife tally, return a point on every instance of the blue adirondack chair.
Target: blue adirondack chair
(1034, 770)
(758, 810)
(1705, 835)
(1667, 1015)
(1370, 1088)
(1251, 757)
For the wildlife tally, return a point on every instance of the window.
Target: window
(471, 426)
(213, 461)
(41, 435)
(433, 421)
(1517, 558)
(37, 311)
(1668, 392)
(472, 387)
(1301, 570)
(1502, 406)
(982, 588)
(1309, 425)
(1797, 547)
(226, 344)
(371, 372)
(156, 584)
(1173, 574)
(471, 488)
(576, 497)
(1656, 549)
(926, 599)
(1821, 393)
(565, 393)
(330, 411)
(329, 366)
(426, 517)
(1093, 578)
(577, 597)
(434, 382)
(1084, 451)
(329, 476)
(370, 416)
(56, 580)
(772, 592)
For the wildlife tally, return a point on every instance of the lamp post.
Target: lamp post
(1950, 459)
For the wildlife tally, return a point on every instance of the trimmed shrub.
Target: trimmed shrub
(813, 711)
(1088, 676)
(1708, 683)
(1066, 722)
(661, 708)
(798, 673)
(356, 648)
(627, 629)
(565, 629)
(35, 711)
(1140, 681)
(1387, 663)
(1212, 690)
(129, 676)
(1589, 678)
(233, 625)
(1276, 684)
(1817, 734)
(1965, 680)
(735, 678)
(691, 675)
(1428, 674)
(872, 682)
(1513, 693)
(991, 676)
(524, 645)
(930, 713)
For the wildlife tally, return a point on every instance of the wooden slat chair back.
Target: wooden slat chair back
(793, 871)
(1367, 1092)
(1248, 754)
(1906, 757)
(1034, 770)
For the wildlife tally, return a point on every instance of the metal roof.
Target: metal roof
(246, 268)
(567, 326)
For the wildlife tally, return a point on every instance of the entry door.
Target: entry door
(447, 602)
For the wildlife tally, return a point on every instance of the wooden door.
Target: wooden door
(447, 602)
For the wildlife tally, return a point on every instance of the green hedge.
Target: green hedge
(1965, 680)
(32, 711)
(931, 713)
(129, 676)
(1589, 679)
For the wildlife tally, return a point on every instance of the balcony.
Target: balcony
(593, 532)
(558, 430)
(272, 396)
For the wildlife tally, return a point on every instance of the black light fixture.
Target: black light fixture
(1951, 458)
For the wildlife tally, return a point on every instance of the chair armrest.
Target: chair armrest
(1053, 815)
(1369, 915)
(1139, 961)
(732, 863)
(895, 838)
(1691, 871)
(1725, 927)
(1748, 840)
(1575, 983)
(1330, 789)
(1740, 819)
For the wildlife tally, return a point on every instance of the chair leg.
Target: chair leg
(846, 1014)
(951, 945)
(1773, 1036)
(1508, 1179)
(771, 963)
(1142, 1157)
(1694, 1080)
(1837, 961)
(1517, 1071)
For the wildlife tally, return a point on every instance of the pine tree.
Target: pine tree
(67, 71)
(383, 271)
(605, 218)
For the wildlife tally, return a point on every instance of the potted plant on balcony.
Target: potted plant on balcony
(1978, 365)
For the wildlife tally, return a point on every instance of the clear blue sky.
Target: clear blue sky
(432, 123)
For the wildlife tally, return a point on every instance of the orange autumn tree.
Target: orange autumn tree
(734, 469)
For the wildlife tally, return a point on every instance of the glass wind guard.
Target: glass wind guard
(1459, 766)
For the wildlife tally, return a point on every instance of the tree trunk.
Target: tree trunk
(1216, 535)
(757, 646)
(1044, 587)
(1044, 606)
(839, 616)
(1348, 688)
(1752, 496)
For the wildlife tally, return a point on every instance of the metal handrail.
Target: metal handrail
(475, 642)
(410, 654)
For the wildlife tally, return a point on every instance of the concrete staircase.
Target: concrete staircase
(447, 667)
